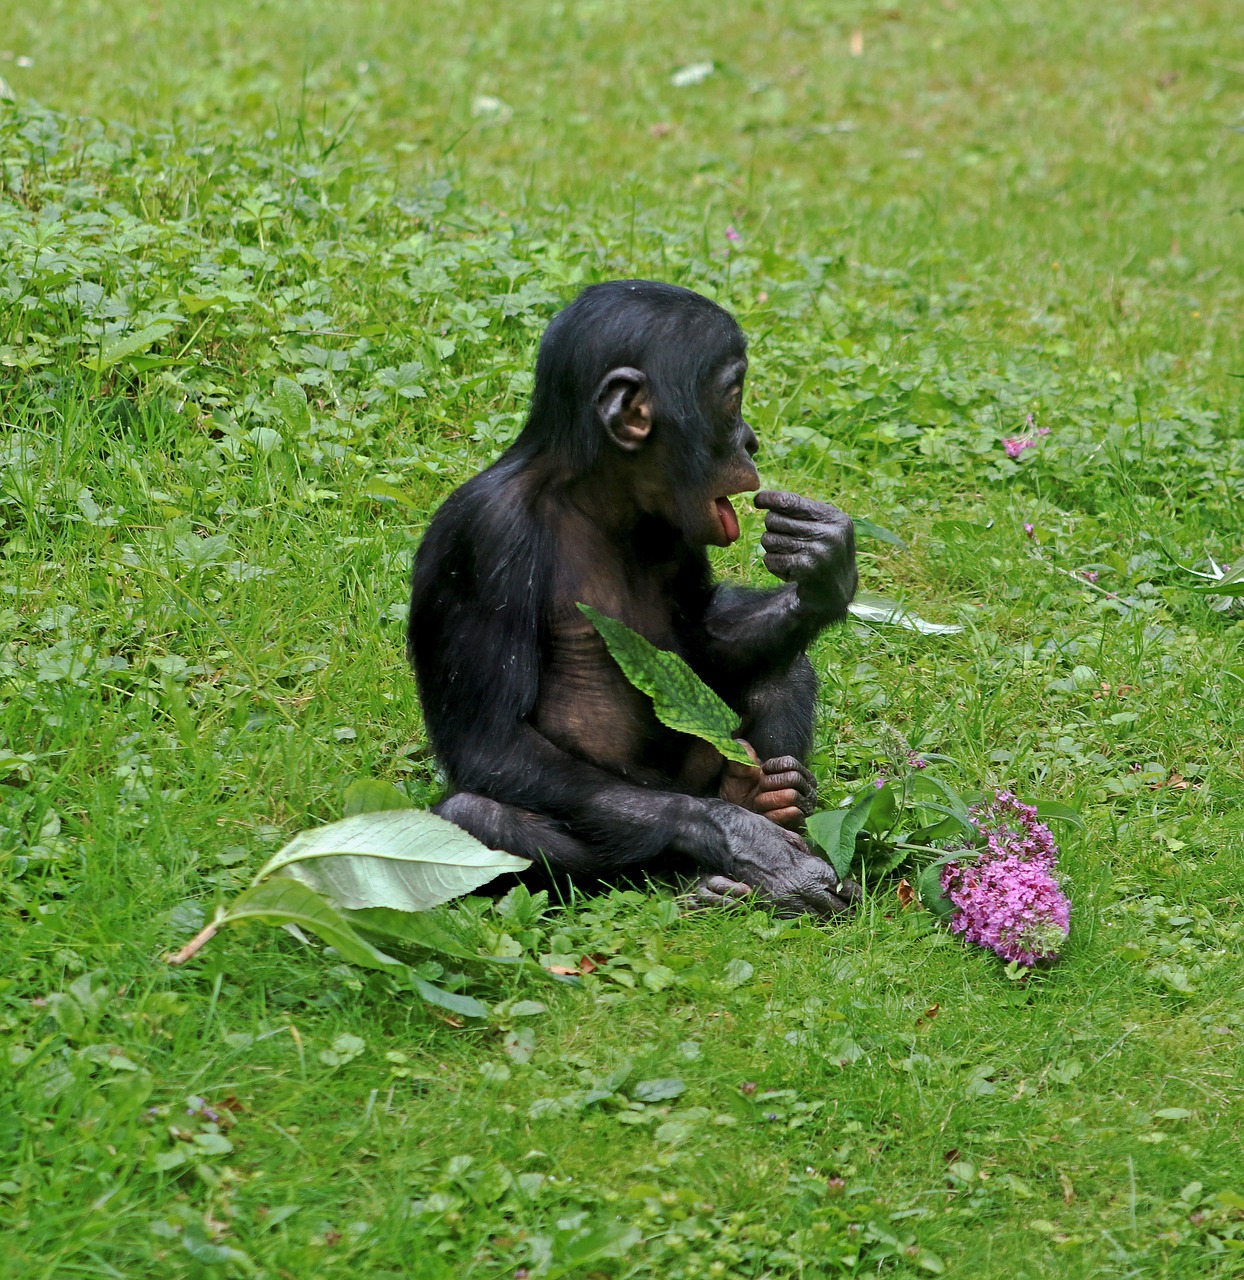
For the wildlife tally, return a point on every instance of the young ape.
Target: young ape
(620, 479)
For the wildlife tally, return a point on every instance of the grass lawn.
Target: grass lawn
(944, 217)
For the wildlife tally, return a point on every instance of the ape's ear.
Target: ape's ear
(625, 407)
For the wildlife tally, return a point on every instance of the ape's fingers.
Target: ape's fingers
(850, 891)
(725, 888)
(813, 901)
(793, 504)
(808, 529)
(787, 782)
(785, 764)
(785, 567)
(780, 799)
(780, 544)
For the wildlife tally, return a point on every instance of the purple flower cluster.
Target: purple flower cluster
(1007, 898)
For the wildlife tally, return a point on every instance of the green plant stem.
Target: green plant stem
(926, 848)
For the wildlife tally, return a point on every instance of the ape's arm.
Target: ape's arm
(745, 629)
(811, 546)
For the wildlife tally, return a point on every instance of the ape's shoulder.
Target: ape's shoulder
(484, 547)
(493, 506)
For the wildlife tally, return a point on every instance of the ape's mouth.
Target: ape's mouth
(729, 521)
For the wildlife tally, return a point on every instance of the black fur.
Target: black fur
(487, 609)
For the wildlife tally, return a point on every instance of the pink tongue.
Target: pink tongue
(729, 521)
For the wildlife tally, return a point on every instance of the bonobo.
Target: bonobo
(617, 484)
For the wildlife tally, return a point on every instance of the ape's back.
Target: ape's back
(477, 598)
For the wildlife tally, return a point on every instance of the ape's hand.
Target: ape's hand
(811, 544)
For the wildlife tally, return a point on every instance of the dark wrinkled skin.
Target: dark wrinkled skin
(610, 496)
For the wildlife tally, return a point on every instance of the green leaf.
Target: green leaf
(282, 900)
(131, 344)
(1059, 812)
(658, 1090)
(1219, 581)
(404, 859)
(929, 886)
(1232, 585)
(385, 492)
(387, 928)
(610, 1240)
(879, 858)
(681, 700)
(466, 1006)
(883, 811)
(372, 795)
(193, 303)
(870, 608)
(866, 529)
(953, 824)
(291, 403)
(835, 831)
(926, 782)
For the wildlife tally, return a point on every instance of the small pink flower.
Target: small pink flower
(1029, 531)
(732, 235)
(1043, 431)
(1015, 445)
(1089, 575)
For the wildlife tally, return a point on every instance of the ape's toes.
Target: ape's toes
(715, 891)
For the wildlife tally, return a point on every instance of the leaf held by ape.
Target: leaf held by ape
(680, 699)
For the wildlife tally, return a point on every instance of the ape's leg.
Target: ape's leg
(779, 712)
(558, 856)
(521, 832)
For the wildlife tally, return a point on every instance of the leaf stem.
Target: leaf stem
(200, 940)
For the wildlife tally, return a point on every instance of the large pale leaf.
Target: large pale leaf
(870, 608)
(404, 859)
(681, 700)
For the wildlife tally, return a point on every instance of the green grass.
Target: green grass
(992, 210)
